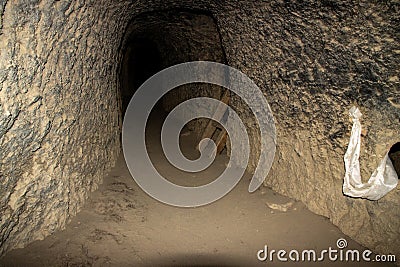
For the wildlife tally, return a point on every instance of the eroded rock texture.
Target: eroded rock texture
(59, 123)
(60, 113)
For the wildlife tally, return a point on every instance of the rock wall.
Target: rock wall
(314, 61)
(60, 102)
(59, 116)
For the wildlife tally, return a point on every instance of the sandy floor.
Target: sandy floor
(122, 226)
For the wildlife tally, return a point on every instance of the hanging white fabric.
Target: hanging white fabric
(384, 178)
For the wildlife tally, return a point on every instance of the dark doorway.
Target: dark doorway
(141, 60)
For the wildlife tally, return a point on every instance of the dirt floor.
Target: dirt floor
(120, 225)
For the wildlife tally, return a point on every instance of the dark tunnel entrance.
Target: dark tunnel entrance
(394, 155)
(141, 60)
(155, 41)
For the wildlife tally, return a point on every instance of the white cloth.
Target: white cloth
(384, 178)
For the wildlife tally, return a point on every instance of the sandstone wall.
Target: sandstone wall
(314, 61)
(59, 116)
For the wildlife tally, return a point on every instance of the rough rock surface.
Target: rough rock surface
(60, 107)
(314, 62)
(59, 122)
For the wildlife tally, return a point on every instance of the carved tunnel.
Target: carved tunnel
(68, 69)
